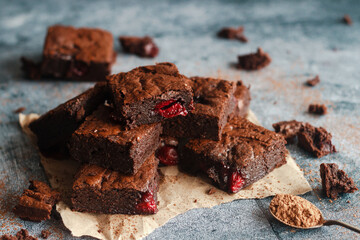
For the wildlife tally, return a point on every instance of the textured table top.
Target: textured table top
(304, 38)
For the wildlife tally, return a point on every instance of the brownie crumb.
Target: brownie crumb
(45, 234)
(19, 110)
(36, 202)
(335, 180)
(140, 46)
(319, 109)
(315, 140)
(233, 33)
(289, 129)
(31, 69)
(195, 201)
(211, 191)
(254, 61)
(314, 81)
(23, 234)
(347, 19)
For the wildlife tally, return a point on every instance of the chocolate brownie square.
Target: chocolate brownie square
(214, 101)
(100, 140)
(54, 128)
(315, 140)
(36, 203)
(140, 46)
(100, 190)
(335, 181)
(150, 94)
(245, 154)
(77, 53)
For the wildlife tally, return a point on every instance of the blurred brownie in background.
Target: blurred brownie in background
(140, 46)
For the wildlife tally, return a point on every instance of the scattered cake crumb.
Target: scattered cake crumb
(45, 234)
(319, 109)
(313, 82)
(347, 19)
(20, 110)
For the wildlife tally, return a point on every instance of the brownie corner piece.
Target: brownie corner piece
(102, 141)
(335, 180)
(315, 140)
(36, 203)
(100, 190)
(245, 154)
(54, 128)
(150, 94)
(77, 53)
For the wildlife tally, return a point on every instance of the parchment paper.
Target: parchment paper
(177, 194)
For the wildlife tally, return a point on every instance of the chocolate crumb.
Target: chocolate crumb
(348, 201)
(20, 110)
(233, 33)
(335, 180)
(314, 81)
(45, 234)
(254, 61)
(195, 201)
(211, 191)
(140, 46)
(289, 129)
(347, 19)
(23, 234)
(319, 109)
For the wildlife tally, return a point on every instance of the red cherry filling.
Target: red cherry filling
(168, 155)
(170, 108)
(236, 182)
(147, 205)
(150, 50)
(80, 69)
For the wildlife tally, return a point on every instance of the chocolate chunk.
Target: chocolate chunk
(254, 61)
(347, 19)
(36, 203)
(314, 81)
(320, 109)
(335, 181)
(315, 140)
(233, 33)
(141, 46)
(23, 234)
(289, 129)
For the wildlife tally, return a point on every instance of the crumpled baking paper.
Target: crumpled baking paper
(178, 193)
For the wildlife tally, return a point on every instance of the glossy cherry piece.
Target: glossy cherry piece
(147, 204)
(168, 155)
(236, 182)
(170, 108)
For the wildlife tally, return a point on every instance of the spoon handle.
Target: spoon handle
(348, 226)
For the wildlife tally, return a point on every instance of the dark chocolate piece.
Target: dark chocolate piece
(314, 81)
(141, 46)
(23, 234)
(36, 203)
(289, 129)
(347, 19)
(335, 181)
(245, 154)
(214, 101)
(100, 190)
(100, 140)
(74, 53)
(233, 33)
(315, 140)
(319, 109)
(54, 128)
(150, 94)
(254, 61)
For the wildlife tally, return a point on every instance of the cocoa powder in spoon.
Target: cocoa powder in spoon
(295, 211)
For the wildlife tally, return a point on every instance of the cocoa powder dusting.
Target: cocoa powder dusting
(295, 211)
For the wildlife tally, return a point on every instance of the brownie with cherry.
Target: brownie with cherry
(100, 190)
(150, 94)
(215, 100)
(245, 154)
(141, 46)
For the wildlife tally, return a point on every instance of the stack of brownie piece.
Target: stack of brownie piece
(119, 129)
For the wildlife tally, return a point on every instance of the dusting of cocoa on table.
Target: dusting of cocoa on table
(295, 211)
